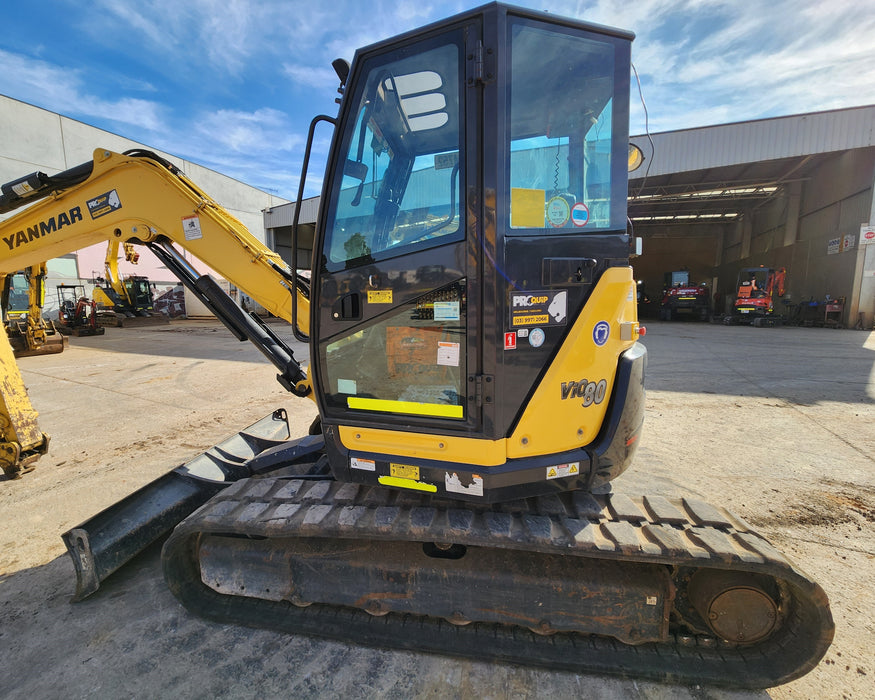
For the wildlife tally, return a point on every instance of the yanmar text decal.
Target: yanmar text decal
(43, 228)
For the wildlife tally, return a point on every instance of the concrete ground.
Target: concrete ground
(776, 424)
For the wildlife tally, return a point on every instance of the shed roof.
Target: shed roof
(709, 175)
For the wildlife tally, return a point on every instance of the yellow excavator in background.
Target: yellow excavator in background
(129, 299)
(474, 356)
(23, 298)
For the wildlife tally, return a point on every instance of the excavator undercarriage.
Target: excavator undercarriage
(668, 589)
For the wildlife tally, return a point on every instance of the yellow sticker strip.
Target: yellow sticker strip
(407, 484)
(413, 407)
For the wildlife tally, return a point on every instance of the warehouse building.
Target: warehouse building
(34, 139)
(793, 193)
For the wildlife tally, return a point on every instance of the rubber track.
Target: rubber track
(683, 532)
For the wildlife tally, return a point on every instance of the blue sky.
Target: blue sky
(233, 84)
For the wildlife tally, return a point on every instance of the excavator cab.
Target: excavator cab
(476, 212)
(15, 296)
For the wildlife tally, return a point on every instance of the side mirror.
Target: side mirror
(341, 67)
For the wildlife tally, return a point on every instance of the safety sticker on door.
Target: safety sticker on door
(380, 296)
(547, 308)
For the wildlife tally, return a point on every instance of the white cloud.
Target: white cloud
(260, 131)
(64, 90)
(756, 60)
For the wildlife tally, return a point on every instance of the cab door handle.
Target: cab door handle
(348, 307)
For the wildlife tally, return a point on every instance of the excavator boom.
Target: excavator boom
(113, 198)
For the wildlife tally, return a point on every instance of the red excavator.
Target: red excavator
(77, 314)
(758, 289)
(681, 299)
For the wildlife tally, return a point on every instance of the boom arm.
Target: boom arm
(138, 197)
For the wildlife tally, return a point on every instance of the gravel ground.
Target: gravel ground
(776, 424)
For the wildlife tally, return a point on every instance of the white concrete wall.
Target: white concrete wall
(34, 139)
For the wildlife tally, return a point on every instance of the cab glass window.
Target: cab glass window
(409, 362)
(561, 135)
(402, 179)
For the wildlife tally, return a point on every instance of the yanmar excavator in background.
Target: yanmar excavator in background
(473, 355)
(128, 300)
(23, 297)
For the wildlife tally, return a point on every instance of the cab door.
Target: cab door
(396, 321)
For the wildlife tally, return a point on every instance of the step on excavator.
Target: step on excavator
(474, 356)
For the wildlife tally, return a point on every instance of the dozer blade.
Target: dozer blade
(53, 345)
(137, 321)
(675, 590)
(111, 538)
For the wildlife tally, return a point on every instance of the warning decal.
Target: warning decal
(452, 482)
(404, 471)
(367, 465)
(191, 227)
(380, 296)
(560, 470)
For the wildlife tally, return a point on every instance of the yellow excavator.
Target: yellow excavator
(23, 298)
(474, 356)
(129, 300)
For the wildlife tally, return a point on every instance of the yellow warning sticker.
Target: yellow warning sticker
(404, 471)
(527, 208)
(380, 296)
(560, 470)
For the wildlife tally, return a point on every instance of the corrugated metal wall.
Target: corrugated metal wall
(752, 141)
